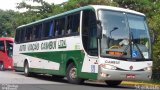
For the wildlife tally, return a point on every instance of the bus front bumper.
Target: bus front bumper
(105, 74)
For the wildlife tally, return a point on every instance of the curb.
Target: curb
(138, 83)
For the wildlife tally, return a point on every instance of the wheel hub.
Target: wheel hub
(73, 74)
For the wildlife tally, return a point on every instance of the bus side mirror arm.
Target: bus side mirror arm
(99, 29)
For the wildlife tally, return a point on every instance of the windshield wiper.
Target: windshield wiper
(131, 43)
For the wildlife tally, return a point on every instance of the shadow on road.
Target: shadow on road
(86, 83)
(106, 86)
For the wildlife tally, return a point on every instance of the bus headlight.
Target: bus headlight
(107, 66)
(148, 69)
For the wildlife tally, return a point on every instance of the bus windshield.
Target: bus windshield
(124, 35)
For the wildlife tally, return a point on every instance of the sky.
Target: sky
(11, 4)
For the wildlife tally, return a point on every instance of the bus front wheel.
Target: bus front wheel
(113, 83)
(1, 66)
(72, 75)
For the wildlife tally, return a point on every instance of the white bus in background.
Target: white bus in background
(96, 42)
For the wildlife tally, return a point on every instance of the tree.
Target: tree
(40, 11)
(72, 4)
(143, 6)
(154, 21)
(7, 23)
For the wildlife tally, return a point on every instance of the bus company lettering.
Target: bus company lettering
(33, 47)
(62, 44)
(22, 48)
(112, 62)
(43, 46)
(48, 45)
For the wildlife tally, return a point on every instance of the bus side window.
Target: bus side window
(73, 24)
(59, 27)
(46, 29)
(56, 28)
(36, 31)
(2, 47)
(51, 29)
(76, 20)
(17, 36)
(69, 25)
(28, 33)
(22, 35)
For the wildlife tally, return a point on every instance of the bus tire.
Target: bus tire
(72, 75)
(113, 83)
(26, 70)
(1, 66)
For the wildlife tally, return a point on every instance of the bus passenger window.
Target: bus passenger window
(73, 24)
(37, 31)
(56, 33)
(59, 27)
(29, 34)
(56, 28)
(69, 25)
(22, 35)
(76, 20)
(63, 32)
(17, 36)
(51, 29)
(46, 29)
(34, 33)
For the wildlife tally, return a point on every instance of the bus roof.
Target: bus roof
(59, 15)
(94, 7)
(6, 38)
(97, 7)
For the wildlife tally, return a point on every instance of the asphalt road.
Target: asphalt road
(10, 80)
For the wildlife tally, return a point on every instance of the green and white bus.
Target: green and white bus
(94, 42)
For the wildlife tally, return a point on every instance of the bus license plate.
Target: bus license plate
(130, 76)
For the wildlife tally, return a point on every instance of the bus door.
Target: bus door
(90, 42)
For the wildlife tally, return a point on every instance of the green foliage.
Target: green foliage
(71, 4)
(7, 22)
(143, 6)
(154, 25)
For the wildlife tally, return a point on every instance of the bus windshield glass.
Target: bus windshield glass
(124, 35)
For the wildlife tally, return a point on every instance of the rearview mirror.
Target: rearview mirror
(99, 29)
